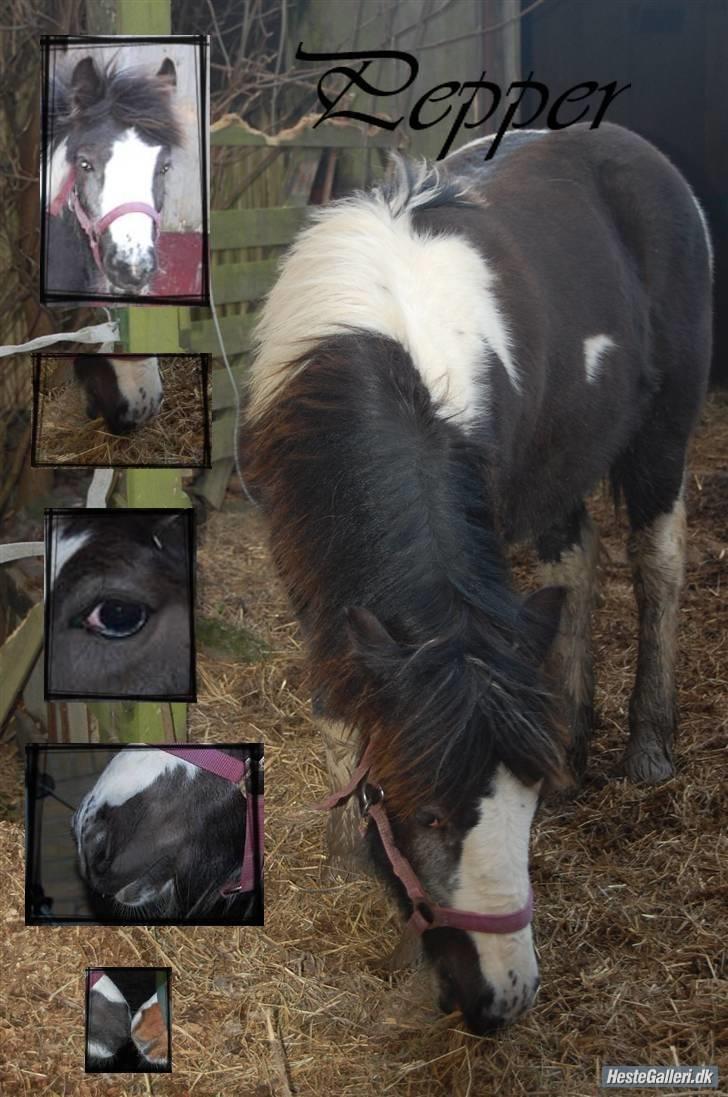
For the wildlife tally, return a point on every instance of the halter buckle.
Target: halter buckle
(371, 795)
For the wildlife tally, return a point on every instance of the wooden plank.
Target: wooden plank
(323, 137)
(17, 657)
(253, 228)
(222, 392)
(236, 335)
(223, 435)
(232, 282)
(212, 484)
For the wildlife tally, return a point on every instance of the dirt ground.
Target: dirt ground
(630, 883)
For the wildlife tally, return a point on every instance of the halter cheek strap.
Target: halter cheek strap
(425, 914)
(68, 195)
(237, 772)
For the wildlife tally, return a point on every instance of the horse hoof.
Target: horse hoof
(647, 765)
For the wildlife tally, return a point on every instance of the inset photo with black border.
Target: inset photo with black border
(124, 203)
(144, 835)
(119, 607)
(128, 1020)
(121, 410)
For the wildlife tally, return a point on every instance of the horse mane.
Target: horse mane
(377, 502)
(130, 96)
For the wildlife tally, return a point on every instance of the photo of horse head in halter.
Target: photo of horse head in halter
(123, 179)
(145, 835)
(128, 1020)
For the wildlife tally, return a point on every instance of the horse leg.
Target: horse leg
(569, 554)
(657, 556)
(346, 850)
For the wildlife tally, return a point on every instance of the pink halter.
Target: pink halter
(235, 770)
(68, 195)
(425, 914)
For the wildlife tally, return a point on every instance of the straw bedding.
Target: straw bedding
(66, 436)
(630, 885)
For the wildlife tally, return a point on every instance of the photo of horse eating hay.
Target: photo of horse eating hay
(95, 410)
(449, 365)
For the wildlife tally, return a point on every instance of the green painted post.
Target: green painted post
(148, 330)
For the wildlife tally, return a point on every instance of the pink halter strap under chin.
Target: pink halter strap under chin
(425, 914)
(237, 771)
(68, 196)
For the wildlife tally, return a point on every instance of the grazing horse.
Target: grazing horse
(126, 391)
(112, 135)
(128, 1020)
(120, 605)
(448, 365)
(167, 833)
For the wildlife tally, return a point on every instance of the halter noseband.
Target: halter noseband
(425, 914)
(237, 771)
(68, 195)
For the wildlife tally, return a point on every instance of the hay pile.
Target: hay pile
(65, 436)
(630, 886)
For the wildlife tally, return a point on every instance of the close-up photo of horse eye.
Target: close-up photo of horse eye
(120, 605)
(145, 835)
(128, 1021)
(124, 172)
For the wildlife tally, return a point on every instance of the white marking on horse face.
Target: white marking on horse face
(129, 177)
(493, 879)
(595, 347)
(59, 169)
(65, 544)
(108, 988)
(128, 773)
(360, 266)
(140, 384)
(139, 892)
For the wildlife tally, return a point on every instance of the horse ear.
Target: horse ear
(86, 83)
(367, 634)
(167, 72)
(538, 620)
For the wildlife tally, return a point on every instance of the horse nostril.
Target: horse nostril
(481, 1020)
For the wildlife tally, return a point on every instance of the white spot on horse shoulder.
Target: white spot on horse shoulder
(361, 265)
(65, 543)
(594, 348)
(108, 988)
(129, 177)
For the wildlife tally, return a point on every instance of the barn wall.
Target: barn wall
(673, 52)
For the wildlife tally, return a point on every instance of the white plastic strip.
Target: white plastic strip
(20, 550)
(107, 333)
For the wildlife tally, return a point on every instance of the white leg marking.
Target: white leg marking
(129, 177)
(360, 265)
(98, 1051)
(108, 988)
(493, 879)
(594, 349)
(145, 1005)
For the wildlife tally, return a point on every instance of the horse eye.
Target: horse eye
(430, 819)
(86, 165)
(115, 620)
(166, 167)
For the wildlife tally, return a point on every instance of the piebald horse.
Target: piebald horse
(448, 365)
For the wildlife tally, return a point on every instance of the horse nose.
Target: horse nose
(481, 1019)
(132, 270)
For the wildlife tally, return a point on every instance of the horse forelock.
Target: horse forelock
(130, 97)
